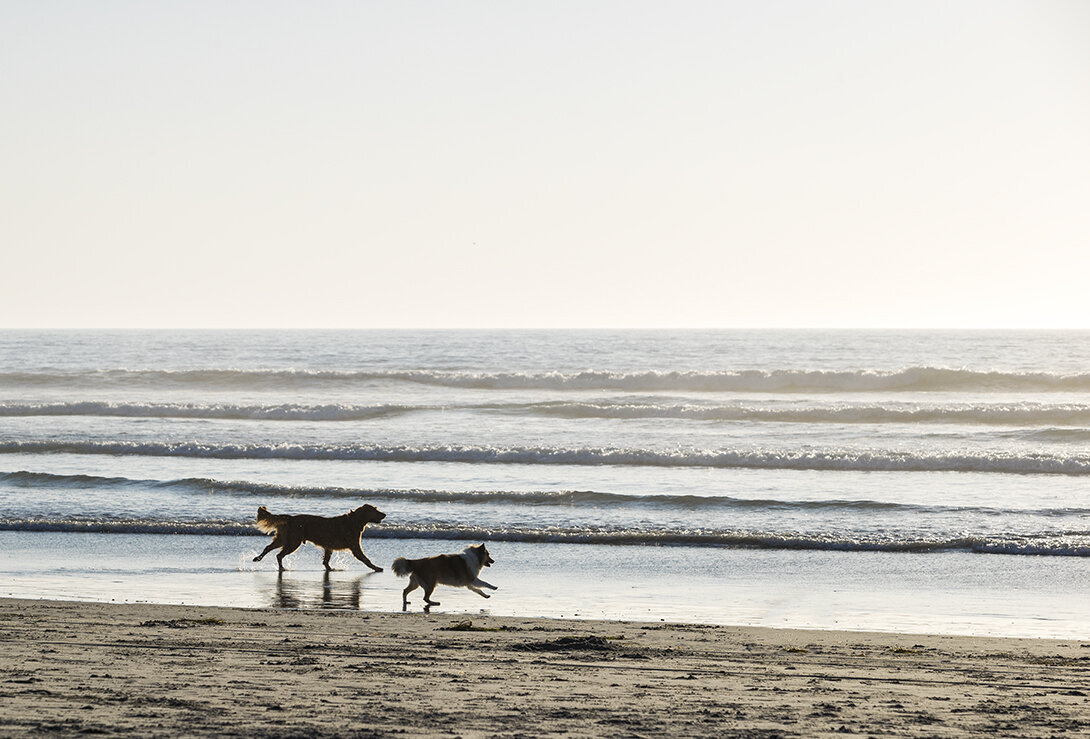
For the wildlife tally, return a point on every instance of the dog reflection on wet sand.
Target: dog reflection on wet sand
(330, 534)
(297, 592)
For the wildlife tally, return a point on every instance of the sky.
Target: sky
(613, 163)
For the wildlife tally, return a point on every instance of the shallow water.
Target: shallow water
(920, 481)
(946, 593)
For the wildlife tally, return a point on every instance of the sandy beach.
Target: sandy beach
(157, 670)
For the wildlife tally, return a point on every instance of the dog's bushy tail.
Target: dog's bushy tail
(268, 522)
(401, 567)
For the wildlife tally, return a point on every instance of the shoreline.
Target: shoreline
(958, 594)
(165, 670)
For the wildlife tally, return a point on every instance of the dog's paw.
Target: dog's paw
(377, 569)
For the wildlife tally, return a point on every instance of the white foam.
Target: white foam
(281, 412)
(1056, 463)
(1038, 545)
(781, 380)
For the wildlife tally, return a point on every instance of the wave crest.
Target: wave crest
(563, 498)
(915, 379)
(227, 411)
(828, 460)
(1077, 546)
(1014, 414)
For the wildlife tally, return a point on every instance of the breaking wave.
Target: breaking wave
(283, 412)
(1014, 414)
(915, 379)
(830, 460)
(1045, 545)
(564, 498)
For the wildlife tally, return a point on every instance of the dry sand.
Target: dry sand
(153, 670)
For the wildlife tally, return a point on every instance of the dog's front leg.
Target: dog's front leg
(482, 584)
(478, 591)
(358, 554)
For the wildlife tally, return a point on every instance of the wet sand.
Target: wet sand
(157, 670)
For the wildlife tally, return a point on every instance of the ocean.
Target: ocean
(918, 481)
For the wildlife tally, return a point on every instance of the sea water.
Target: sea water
(905, 480)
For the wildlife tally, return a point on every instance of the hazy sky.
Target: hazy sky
(457, 163)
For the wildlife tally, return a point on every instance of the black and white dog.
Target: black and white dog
(458, 570)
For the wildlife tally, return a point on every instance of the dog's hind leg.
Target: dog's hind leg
(428, 588)
(358, 554)
(413, 585)
(275, 543)
(325, 560)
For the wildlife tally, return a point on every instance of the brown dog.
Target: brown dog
(459, 570)
(338, 532)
